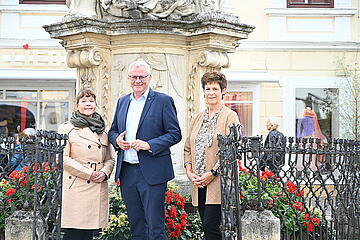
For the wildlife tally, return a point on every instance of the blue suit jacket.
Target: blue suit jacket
(159, 127)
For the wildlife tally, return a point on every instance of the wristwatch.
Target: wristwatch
(214, 173)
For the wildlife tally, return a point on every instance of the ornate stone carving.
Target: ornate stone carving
(191, 90)
(105, 78)
(134, 9)
(93, 72)
(155, 9)
(84, 58)
(214, 59)
(210, 61)
(87, 77)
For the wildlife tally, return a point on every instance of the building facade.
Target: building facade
(288, 64)
(36, 86)
(291, 62)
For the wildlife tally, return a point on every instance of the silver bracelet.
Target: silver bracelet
(186, 163)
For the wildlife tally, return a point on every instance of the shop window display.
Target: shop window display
(242, 104)
(37, 108)
(316, 117)
(316, 111)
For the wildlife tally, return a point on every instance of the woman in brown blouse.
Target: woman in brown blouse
(200, 152)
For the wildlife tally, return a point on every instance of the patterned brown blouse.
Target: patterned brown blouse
(204, 139)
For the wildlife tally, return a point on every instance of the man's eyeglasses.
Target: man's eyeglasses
(141, 78)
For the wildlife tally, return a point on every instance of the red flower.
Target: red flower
(25, 46)
(271, 203)
(46, 167)
(265, 175)
(291, 187)
(39, 188)
(23, 183)
(310, 226)
(175, 216)
(170, 223)
(10, 192)
(316, 221)
(183, 216)
(298, 206)
(177, 197)
(117, 183)
(173, 212)
(16, 174)
(300, 193)
(169, 193)
(241, 169)
(184, 223)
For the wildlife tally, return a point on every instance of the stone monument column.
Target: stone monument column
(179, 39)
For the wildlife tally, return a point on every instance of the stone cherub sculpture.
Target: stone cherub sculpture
(153, 9)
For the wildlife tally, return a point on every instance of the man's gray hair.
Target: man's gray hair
(139, 63)
(29, 132)
(274, 122)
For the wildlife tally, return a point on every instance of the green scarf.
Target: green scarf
(95, 122)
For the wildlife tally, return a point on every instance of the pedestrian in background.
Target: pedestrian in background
(272, 161)
(21, 158)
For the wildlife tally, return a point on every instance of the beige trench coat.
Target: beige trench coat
(85, 204)
(226, 118)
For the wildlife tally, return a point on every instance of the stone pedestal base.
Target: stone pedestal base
(184, 185)
(260, 226)
(20, 226)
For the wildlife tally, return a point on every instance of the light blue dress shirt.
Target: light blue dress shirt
(132, 122)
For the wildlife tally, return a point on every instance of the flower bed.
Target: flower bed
(176, 219)
(18, 189)
(286, 200)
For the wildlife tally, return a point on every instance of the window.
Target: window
(35, 108)
(42, 1)
(242, 103)
(316, 113)
(310, 3)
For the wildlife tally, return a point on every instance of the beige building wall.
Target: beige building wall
(293, 44)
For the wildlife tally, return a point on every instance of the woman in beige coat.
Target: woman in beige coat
(200, 153)
(88, 163)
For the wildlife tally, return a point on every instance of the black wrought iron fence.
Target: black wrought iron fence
(31, 180)
(313, 187)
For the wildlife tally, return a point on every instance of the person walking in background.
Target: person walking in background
(272, 161)
(144, 128)
(88, 162)
(20, 159)
(200, 153)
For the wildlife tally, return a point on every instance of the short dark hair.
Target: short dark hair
(85, 92)
(216, 77)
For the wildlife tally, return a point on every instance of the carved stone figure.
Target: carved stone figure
(204, 6)
(82, 8)
(155, 9)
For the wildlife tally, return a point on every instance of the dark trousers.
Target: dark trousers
(80, 234)
(144, 204)
(210, 215)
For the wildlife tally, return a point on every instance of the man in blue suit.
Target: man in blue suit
(145, 126)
